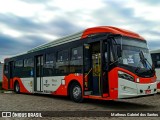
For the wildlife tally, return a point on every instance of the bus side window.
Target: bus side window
(157, 57)
(18, 71)
(76, 63)
(28, 67)
(28, 62)
(156, 60)
(158, 64)
(19, 63)
(49, 64)
(62, 64)
(6, 68)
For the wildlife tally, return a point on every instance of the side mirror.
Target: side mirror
(119, 51)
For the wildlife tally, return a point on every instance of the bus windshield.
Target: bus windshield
(132, 52)
(131, 57)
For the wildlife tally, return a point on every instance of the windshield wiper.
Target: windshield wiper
(151, 68)
(145, 62)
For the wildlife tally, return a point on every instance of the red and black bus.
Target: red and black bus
(103, 62)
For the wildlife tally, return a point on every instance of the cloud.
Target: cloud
(151, 2)
(20, 23)
(59, 26)
(154, 44)
(11, 46)
(27, 23)
(36, 1)
(117, 14)
(7, 42)
(63, 26)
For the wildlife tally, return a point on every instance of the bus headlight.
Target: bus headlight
(126, 76)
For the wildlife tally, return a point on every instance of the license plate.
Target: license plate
(148, 91)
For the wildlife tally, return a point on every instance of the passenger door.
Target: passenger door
(87, 69)
(10, 80)
(92, 69)
(105, 58)
(38, 79)
(96, 68)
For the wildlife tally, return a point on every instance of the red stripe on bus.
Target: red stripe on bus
(141, 80)
(63, 89)
(22, 87)
(113, 83)
(147, 80)
(109, 29)
(158, 85)
(5, 83)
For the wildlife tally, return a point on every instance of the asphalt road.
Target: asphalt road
(25, 102)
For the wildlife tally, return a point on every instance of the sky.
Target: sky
(25, 24)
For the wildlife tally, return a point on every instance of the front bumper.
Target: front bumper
(129, 89)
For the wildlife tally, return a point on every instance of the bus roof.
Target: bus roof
(84, 34)
(155, 51)
(110, 29)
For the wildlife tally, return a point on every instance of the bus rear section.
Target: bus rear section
(104, 63)
(155, 54)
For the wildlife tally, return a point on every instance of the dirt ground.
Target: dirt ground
(25, 102)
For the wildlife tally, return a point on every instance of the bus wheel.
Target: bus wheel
(17, 87)
(76, 92)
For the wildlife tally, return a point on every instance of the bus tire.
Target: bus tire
(17, 88)
(76, 92)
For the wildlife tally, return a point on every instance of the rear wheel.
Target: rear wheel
(17, 88)
(76, 92)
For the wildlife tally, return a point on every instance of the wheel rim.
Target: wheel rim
(76, 92)
(17, 87)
